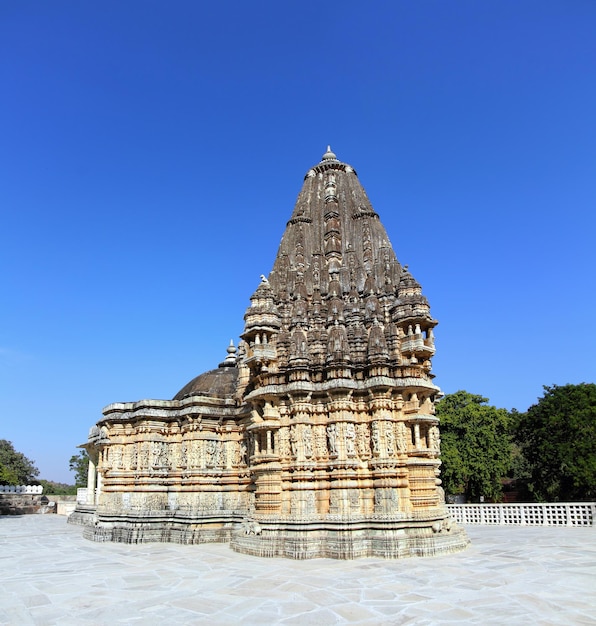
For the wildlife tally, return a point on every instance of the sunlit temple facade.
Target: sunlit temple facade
(316, 436)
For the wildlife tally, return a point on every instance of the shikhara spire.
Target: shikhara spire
(337, 279)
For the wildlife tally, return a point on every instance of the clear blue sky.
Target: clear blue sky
(151, 154)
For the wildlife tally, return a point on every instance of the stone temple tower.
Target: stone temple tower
(317, 437)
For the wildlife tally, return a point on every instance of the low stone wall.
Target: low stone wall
(526, 514)
(28, 504)
(25, 504)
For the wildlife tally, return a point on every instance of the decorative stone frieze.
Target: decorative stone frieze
(317, 435)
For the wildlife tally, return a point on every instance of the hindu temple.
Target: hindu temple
(315, 436)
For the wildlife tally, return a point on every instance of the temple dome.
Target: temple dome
(217, 383)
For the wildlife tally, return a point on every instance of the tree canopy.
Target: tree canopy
(15, 467)
(475, 445)
(78, 464)
(558, 438)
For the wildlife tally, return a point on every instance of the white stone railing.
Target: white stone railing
(32, 489)
(526, 514)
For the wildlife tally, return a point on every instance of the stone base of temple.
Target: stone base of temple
(295, 539)
(359, 539)
(83, 515)
(174, 527)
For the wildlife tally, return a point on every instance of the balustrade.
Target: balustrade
(28, 489)
(526, 514)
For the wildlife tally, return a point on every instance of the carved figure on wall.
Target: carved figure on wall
(332, 438)
(316, 275)
(174, 455)
(363, 440)
(211, 453)
(390, 439)
(117, 457)
(434, 437)
(160, 455)
(184, 454)
(309, 502)
(144, 463)
(284, 443)
(402, 442)
(307, 440)
(218, 456)
(376, 438)
(320, 441)
(133, 456)
(195, 454)
(334, 501)
(294, 441)
(237, 454)
(350, 439)
(240, 450)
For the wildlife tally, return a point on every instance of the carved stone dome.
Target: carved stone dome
(218, 383)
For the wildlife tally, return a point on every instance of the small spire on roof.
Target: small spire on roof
(329, 155)
(231, 358)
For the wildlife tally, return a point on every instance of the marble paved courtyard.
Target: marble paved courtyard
(509, 575)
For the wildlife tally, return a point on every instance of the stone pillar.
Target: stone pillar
(91, 475)
(99, 484)
(417, 436)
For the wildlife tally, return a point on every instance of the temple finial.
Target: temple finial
(329, 155)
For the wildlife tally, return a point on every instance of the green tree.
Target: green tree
(57, 489)
(475, 445)
(15, 467)
(78, 464)
(557, 436)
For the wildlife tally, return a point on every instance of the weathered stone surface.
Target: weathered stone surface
(317, 437)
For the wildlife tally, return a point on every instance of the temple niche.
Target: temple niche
(316, 436)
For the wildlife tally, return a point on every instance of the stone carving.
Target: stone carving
(239, 453)
(174, 456)
(184, 461)
(294, 441)
(332, 438)
(251, 528)
(376, 439)
(159, 459)
(402, 443)
(145, 455)
(390, 438)
(116, 457)
(212, 453)
(284, 443)
(194, 450)
(434, 439)
(133, 456)
(363, 441)
(350, 440)
(320, 442)
(307, 440)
